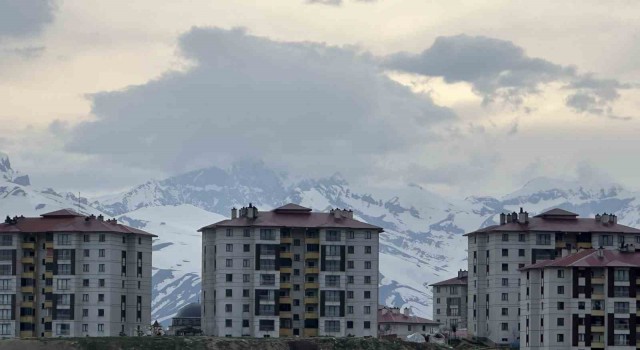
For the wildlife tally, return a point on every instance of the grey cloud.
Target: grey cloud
(25, 17)
(28, 52)
(499, 70)
(246, 96)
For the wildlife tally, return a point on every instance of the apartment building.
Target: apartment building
(290, 272)
(586, 300)
(496, 253)
(450, 299)
(64, 274)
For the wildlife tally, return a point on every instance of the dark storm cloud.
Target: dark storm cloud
(248, 96)
(25, 17)
(500, 70)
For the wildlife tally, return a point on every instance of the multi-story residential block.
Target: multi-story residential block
(187, 321)
(65, 274)
(392, 322)
(586, 300)
(496, 253)
(290, 272)
(450, 299)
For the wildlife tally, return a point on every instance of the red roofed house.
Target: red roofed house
(67, 274)
(392, 322)
(586, 300)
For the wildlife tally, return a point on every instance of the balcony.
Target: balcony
(310, 332)
(286, 240)
(28, 245)
(597, 329)
(48, 260)
(27, 260)
(315, 240)
(286, 269)
(312, 255)
(27, 289)
(48, 245)
(312, 270)
(285, 300)
(597, 280)
(584, 245)
(286, 255)
(48, 304)
(26, 319)
(285, 314)
(285, 285)
(48, 274)
(48, 334)
(310, 315)
(560, 244)
(597, 345)
(286, 332)
(27, 304)
(311, 285)
(48, 319)
(597, 296)
(597, 312)
(29, 274)
(26, 334)
(638, 280)
(310, 300)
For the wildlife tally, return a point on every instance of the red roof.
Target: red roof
(291, 217)
(592, 258)
(557, 212)
(453, 281)
(67, 221)
(397, 317)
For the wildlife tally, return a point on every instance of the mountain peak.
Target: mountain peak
(8, 174)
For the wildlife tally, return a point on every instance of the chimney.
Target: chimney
(100, 217)
(508, 217)
(613, 219)
(502, 218)
(407, 311)
(600, 253)
(114, 221)
(598, 217)
(462, 273)
(384, 311)
(234, 213)
(526, 217)
(349, 213)
(521, 217)
(336, 213)
(605, 218)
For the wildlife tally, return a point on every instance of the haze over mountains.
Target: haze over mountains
(422, 242)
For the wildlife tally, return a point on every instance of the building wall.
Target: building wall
(299, 287)
(36, 306)
(486, 286)
(456, 295)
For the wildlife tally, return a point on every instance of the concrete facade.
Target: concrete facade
(300, 274)
(450, 300)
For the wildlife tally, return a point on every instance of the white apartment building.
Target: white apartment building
(68, 275)
(449, 302)
(290, 272)
(496, 253)
(586, 300)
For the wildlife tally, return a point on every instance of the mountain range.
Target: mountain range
(422, 242)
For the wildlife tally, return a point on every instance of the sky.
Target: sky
(462, 98)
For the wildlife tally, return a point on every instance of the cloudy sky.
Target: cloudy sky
(460, 97)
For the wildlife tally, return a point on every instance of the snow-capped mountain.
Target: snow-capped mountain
(423, 240)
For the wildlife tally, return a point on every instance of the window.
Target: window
(229, 277)
(85, 297)
(505, 311)
(352, 235)
(228, 308)
(102, 237)
(621, 291)
(367, 294)
(505, 252)
(228, 293)
(85, 312)
(332, 326)
(367, 279)
(367, 234)
(333, 236)
(245, 263)
(87, 252)
(246, 278)
(229, 262)
(332, 280)
(349, 294)
(229, 232)
(85, 267)
(350, 250)
(621, 275)
(245, 307)
(100, 312)
(101, 253)
(505, 237)
(62, 329)
(561, 305)
(505, 296)
(63, 284)
(333, 250)
(332, 311)
(245, 323)
(560, 289)
(350, 310)
(505, 267)
(504, 326)
(543, 239)
(245, 293)
(334, 265)
(581, 305)
(246, 248)
(621, 307)
(367, 324)
(227, 323)
(560, 321)
(267, 234)
(349, 265)
(520, 252)
(267, 280)
(296, 242)
(367, 265)
(349, 324)
(64, 269)
(350, 279)
(505, 282)
(101, 282)
(560, 338)
(6, 240)
(229, 247)
(85, 327)
(367, 249)
(64, 239)
(560, 273)
(246, 232)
